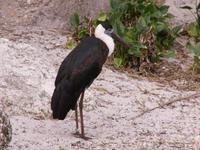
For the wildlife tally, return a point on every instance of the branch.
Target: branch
(193, 96)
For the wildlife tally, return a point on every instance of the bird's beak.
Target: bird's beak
(117, 38)
(120, 40)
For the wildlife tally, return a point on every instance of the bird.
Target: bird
(78, 71)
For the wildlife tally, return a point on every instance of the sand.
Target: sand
(121, 112)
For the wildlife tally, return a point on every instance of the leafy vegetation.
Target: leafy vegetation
(194, 31)
(80, 29)
(145, 26)
(142, 24)
(194, 28)
(196, 50)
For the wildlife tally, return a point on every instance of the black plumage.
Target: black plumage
(77, 72)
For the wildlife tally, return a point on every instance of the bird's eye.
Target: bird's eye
(110, 30)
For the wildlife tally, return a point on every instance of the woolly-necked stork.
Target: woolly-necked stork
(78, 71)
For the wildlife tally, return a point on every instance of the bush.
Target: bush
(142, 24)
(194, 31)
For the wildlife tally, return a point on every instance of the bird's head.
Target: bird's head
(106, 33)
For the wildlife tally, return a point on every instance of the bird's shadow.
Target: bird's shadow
(79, 135)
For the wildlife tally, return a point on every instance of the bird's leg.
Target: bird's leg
(81, 117)
(76, 116)
(81, 114)
(76, 134)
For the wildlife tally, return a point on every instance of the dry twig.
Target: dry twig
(193, 96)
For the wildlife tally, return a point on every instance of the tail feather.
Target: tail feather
(63, 100)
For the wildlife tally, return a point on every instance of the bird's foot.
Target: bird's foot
(85, 137)
(77, 134)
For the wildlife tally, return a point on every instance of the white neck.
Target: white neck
(99, 33)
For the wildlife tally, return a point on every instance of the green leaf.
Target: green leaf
(169, 54)
(164, 9)
(74, 20)
(70, 44)
(102, 17)
(82, 33)
(193, 30)
(135, 50)
(176, 29)
(119, 27)
(190, 47)
(130, 36)
(160, 26)
(142, 21)
(141, 25)
(114, 4)
(118, 62)
(194, 48)
(196, 64)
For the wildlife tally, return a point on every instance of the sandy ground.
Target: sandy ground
(121, 112)
(182, 16)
